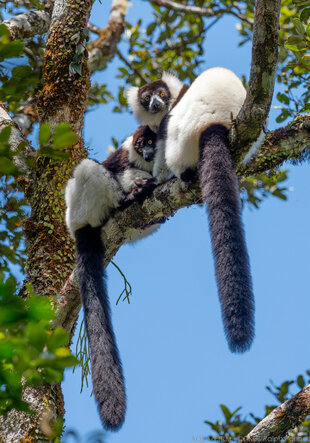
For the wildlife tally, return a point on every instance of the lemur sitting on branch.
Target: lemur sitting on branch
(91, 195)
(195, 134)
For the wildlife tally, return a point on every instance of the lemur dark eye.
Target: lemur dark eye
(162, 94)
(147, 98)
(150, 142)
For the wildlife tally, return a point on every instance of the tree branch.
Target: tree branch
(102, 50)
(50, 252)
(254, 113)
(280, 145)
(15, 140)
(282, 419)
(289, 143)
(203, 12)
(28, 24)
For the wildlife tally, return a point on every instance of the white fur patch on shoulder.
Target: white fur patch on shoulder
(254, 148)
(173, 83)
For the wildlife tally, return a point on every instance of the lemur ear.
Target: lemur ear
(173, 83)
(132, 96)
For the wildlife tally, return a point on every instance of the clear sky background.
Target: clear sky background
(176, 361)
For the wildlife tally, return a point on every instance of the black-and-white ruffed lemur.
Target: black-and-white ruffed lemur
(91, 195)
(195, 134)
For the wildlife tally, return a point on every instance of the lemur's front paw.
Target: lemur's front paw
(189, 175)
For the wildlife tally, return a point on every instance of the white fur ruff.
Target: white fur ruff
(216, 96)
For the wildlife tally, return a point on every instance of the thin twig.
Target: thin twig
(136, 71)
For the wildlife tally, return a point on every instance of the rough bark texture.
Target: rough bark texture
(255, 110)
(50, 251)
(28, 25)
(282, 419)
(102, 50)
(16, 140)
(63, 98)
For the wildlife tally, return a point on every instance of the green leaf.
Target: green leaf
(151, 28)
(7, 167)
(11, 49)
(85, 34)
(305, 14)
(64, 136)
(5, 134)
(299, 26)
(226, 412)
(75, 68)
(283, 98)
(79, 49)
(301, 381)
(21, 71)
(36, 334)
(58, 338)
(4, 31)
(44, 133)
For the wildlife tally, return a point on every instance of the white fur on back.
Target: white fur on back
(216, 96)
(90, 195)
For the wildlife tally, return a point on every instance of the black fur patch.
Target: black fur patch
(220, 192)
(144, 142)
(184, 89)
(106, 368)
(188, 175)
(117, 162)
(162, 130)
(142, 136)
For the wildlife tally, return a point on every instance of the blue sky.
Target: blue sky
(177, 365)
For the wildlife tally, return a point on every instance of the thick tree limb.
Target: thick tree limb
(203, 12)
(63, 99)
(289, 143)
(282, 419)
(15, 140)
(28, 25)
(254, 113)
(280, 145)
(102, 50)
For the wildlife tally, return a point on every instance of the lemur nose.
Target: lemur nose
(156, 105)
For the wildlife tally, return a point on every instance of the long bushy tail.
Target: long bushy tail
(107, 374)
(220, 192)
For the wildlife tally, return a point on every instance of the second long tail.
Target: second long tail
(220, 192)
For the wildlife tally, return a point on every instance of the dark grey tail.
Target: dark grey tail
(220, 192)
(107, 374)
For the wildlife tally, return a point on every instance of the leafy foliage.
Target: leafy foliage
(31, 352)
(257, 188)
(235, 426)
(54, 145)
(13, 206)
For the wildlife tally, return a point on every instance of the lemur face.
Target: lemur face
(144, 142)
(154, 97)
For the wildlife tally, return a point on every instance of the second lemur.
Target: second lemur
(195, 133)
(91, 195)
